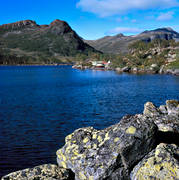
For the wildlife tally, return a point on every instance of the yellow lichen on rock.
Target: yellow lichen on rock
(159, 165)
(100, 138)
(82, 176)
(63, 164)
(91, 178)
(85, 140)
(164, 170)
(62, 158)
(75, 152)
(157, 152)
(68, 137)
(116, 139)
(131, 130)
(106, 136)
(94, 136)
(60, 155)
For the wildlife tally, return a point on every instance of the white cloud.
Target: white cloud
(112, 7)
(124, 30)
(165, 16)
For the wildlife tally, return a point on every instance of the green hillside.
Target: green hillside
(27, 42)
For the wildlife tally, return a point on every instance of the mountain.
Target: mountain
(32, 42)
(119, 43)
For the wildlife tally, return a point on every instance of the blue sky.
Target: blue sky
(93, 19)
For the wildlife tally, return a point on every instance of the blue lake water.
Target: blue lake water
(40, 105)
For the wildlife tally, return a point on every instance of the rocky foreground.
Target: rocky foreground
(139, 147)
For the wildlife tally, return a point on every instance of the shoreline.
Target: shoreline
(128, 70)
(36, 64)
(117, 70)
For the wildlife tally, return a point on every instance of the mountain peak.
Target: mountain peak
(168, 28)
(60, 27)
(57, 22)
(119, 35)
(160, 30)
(164, 29)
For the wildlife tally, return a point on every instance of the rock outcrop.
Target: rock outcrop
(94, 154)
(43, 172)
(19, 24)
(143, 146)
(166, 117)
(161, 163)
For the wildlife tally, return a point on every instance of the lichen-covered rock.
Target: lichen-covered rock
(42, 172)
(162, 164)
(166, 117)
(150, 110)
(109, 153)
(172, 107)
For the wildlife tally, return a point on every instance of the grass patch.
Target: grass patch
(174, 65)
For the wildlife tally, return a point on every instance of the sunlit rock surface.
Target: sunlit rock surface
(166, 117)
(161, 163)
(43, 172)
(109, 153)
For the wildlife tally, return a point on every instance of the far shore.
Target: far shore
(169, 71)
(36, 64)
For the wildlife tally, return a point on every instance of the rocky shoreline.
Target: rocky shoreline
(140, 147)
(154, 69)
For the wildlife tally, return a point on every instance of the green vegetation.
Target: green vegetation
(34, 44)
(48, 45)
(173, 65)
(161, 43)
(142, 55)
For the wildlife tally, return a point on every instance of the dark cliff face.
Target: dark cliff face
(119, 43)
(27, 38)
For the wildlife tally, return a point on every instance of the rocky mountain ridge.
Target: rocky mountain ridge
(119, 44)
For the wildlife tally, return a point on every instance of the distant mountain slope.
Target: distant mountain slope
(119, 43)
(30, 40)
